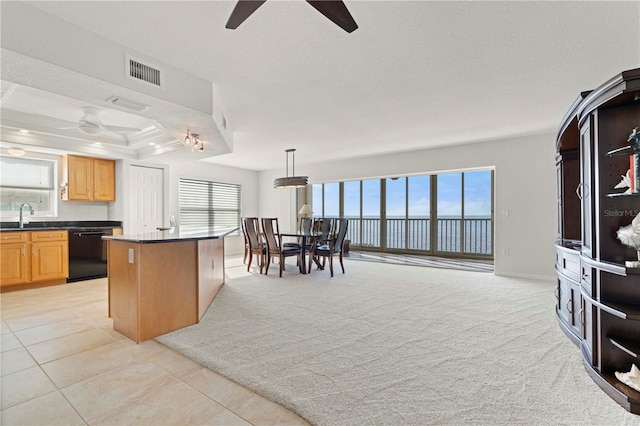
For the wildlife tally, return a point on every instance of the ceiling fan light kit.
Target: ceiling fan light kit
(291, 181)
(335, 10)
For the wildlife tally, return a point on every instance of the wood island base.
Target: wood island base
(159, 287)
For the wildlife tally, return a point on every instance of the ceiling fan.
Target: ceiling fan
(335, 10)
(90, 124)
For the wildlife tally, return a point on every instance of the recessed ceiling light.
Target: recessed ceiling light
(97, 144)
(152, 143)
(23, 131)
(18, 152)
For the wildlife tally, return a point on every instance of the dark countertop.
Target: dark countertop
(173, 234)
(59, 224)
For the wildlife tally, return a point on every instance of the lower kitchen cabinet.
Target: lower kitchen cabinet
(49, 255)
(34, 257)
(14, 264)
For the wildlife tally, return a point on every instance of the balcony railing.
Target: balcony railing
(414, 234)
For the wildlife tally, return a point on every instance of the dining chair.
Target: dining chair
(246, 240)
(275, 248)
(251, 227)
(330, 246)
(306, 224)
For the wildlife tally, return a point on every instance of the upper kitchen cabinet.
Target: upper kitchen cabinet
(89, 179)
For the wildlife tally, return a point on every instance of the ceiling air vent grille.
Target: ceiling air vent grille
(144, 72)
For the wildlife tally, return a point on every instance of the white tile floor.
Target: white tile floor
(62, 363)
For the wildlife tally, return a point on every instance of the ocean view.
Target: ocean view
(414, 233)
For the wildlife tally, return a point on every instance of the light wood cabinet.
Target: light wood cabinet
(49, 255)
(33, 257)
(14, 259)
(90, 179)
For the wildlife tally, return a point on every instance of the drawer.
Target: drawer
(14, 237)
(56, 235)
(570, 265)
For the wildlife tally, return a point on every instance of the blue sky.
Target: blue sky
(477, 196)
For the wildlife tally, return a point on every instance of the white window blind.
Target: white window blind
(28, 180)
(29, 173)
(206, 204)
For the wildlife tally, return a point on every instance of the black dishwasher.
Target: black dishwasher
(87, 253)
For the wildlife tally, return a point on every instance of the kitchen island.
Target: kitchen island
(163, 281)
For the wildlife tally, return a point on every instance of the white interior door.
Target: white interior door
(146, 191)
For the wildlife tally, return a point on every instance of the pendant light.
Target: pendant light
(291, 181)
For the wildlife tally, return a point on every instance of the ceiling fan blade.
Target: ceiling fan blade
(242, 10)
(120, 129)
(337, 12)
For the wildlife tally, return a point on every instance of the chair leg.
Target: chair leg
(331, 264)
(261, 261)
(281, 265)
(267, 263)
(341, 264)
(246, 252)
(249, 263)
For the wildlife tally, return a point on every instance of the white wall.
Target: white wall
(525, 192)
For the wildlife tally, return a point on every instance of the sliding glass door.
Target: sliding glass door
(447, 214)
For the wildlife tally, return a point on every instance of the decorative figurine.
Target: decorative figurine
(634, 137)
(631, 379)
(630, 236)
(625, 182)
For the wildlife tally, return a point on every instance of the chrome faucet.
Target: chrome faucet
(21, 221)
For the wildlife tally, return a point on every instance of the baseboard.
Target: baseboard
(527, 276)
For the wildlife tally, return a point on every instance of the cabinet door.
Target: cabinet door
(588, 319)
(80, 178)
(14, 265)
(585, 188)
(575, 306)
(49, 261)
(564, 300)
(104, 180)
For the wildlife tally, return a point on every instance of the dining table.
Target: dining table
(303, 237)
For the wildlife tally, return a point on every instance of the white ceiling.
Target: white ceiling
(415, 74)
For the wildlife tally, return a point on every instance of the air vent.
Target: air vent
(140, 71)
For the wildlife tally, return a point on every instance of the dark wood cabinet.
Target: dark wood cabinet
(598, 297)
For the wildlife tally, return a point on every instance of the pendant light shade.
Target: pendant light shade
(291, 181)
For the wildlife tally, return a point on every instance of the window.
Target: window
(331, 199)
(443, 214)
(206, 204)
(28, 180)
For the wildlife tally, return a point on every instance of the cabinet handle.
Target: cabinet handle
(556, 294)
(569, 306)
(579, 190)
(581, 316)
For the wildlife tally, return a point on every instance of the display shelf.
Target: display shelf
(624, 151)
(624, 311)
(615, 195)
(627, 397)
(609, 291)
(612, 268)
(631, 347)
(632, 395)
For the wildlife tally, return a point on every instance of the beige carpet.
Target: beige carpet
(399, 345)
